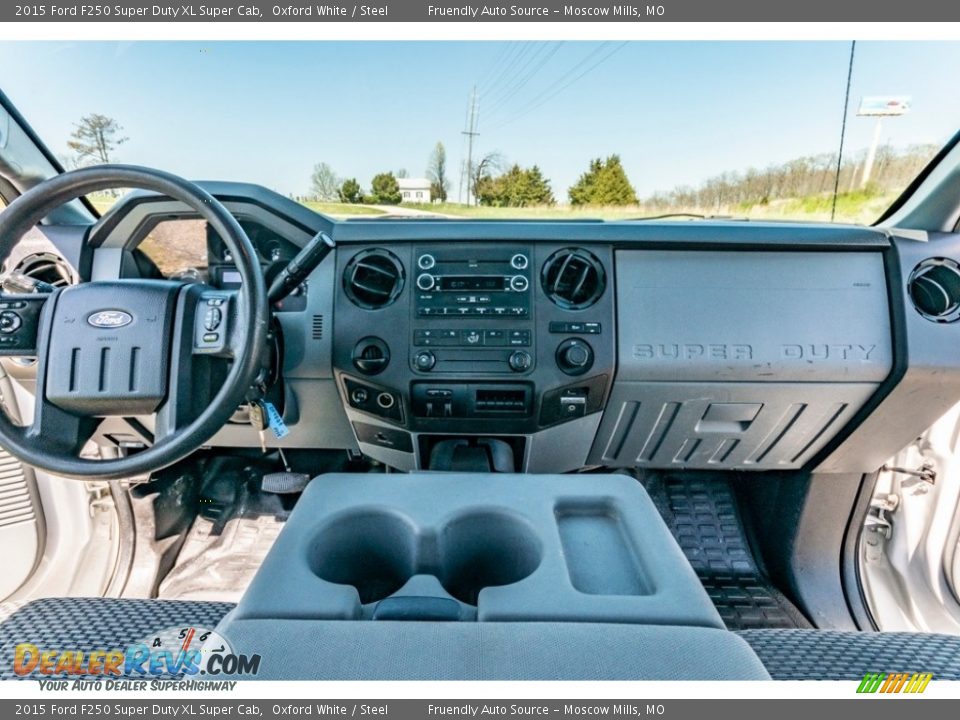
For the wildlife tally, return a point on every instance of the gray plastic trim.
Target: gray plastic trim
(742, 360)
(575, 548)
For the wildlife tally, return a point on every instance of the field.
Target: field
(856, 207)
(853, 207)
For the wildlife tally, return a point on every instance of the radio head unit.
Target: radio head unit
(471, 281)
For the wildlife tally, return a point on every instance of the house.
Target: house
(414, 190)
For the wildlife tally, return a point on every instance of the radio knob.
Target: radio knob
(518, 283)
(520, 360)
(425, 262)
(425, 281)
(425, 360)
(519, 261)
(574, 357)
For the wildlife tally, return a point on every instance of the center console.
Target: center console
(438, 342)
(459, 576)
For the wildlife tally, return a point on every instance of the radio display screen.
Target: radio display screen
(472, 282)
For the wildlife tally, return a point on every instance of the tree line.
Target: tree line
(810, 176)
(491, 181)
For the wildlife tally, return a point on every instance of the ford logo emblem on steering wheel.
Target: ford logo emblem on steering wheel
(110, 319)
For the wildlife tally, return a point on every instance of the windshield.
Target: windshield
(614, 130)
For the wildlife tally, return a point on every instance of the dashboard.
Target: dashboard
(566, 345)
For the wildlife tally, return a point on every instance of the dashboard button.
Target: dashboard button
(518, 283)
(574, 357)
(494, 338)
(519, 261)
(425, 281)
(427, 261)
(520, 361)
(425, 361)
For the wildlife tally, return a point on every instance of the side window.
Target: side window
(178, 248)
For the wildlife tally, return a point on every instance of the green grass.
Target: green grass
(537, 212)
(331, 208)
(859, 207)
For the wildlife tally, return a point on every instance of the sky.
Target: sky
(676, 112)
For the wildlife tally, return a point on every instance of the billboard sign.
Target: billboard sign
(884, 105)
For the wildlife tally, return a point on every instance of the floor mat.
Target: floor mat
(703, 517)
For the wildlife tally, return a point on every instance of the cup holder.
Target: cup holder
(487, 549)
(377, 552)
(374, 551)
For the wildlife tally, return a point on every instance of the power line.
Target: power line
(553, 90)
(514, 55)
(516, 69)
(524, 81)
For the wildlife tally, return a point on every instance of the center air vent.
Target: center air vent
(934, 288)
(373, 279)
(573, 278)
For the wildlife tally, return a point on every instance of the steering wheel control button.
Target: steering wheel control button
(519, 283)
(519, 262)
(426, 282)
(425, 361)
(574, 356)
(425, 262)
(10, 322)
(212, 318)
(520, 361)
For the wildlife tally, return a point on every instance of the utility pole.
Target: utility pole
(470, 133)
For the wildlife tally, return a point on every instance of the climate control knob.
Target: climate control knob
(425, 360)
(574, 356)
(520, 361)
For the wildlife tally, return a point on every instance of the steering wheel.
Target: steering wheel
(123, 348)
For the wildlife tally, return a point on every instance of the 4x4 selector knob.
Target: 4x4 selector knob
(426, 281)
(574, 356)
(520, 360)
(425, 360)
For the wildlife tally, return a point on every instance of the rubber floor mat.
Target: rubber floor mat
(703, 517)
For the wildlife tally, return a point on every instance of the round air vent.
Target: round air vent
(371, 355)
(373, 279)
(934, 288)
(573, 278)
(45, 270)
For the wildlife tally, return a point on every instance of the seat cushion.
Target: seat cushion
(95, 624)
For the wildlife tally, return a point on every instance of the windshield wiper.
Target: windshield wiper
(691, 216)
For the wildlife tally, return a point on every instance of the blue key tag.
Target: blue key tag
(276, 423)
